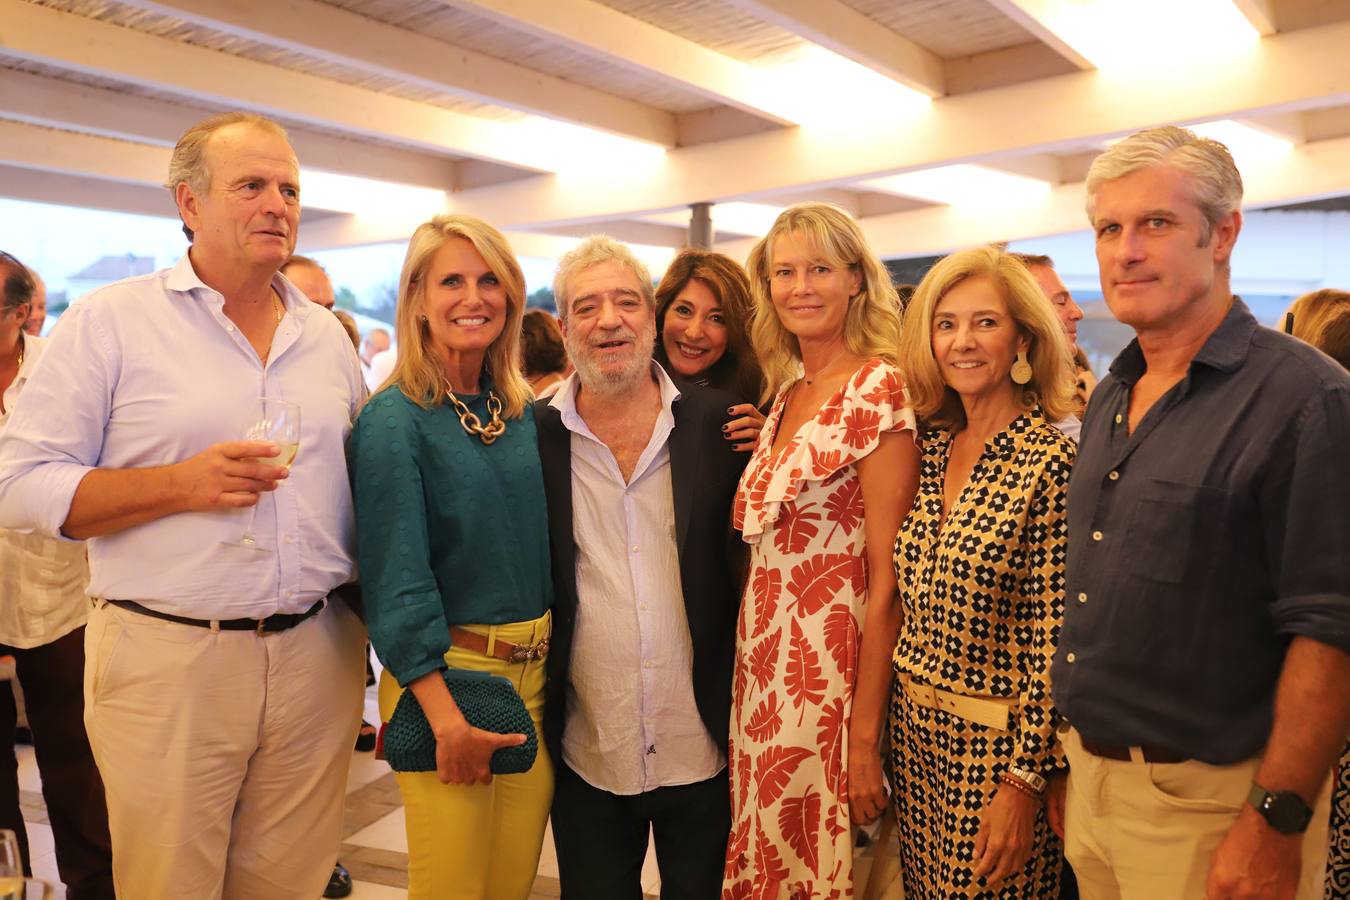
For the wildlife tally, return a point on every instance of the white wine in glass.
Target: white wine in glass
(11, 866)
(280, 424)
(25, 889)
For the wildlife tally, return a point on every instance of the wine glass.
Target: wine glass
(279, 423)
(11, 865)
(26, 889)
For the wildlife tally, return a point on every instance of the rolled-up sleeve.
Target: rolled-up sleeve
(404, 610)
(1306, 514)
(54, 436)
(1045, 539)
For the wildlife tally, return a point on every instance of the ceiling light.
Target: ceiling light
(1247, 144)
(1145, 34)
(962, 185)
(820, 87)
(367, 196)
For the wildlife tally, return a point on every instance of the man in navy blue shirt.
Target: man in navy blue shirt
(1204, 663)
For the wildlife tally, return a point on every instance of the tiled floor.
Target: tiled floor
(374, 848)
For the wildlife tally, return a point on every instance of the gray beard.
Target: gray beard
(614, 384)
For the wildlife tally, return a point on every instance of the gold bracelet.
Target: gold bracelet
(1018, 784)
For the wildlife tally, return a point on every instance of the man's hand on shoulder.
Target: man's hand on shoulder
(1255, 862)
(229, 475)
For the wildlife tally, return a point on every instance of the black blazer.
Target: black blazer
(704, 472)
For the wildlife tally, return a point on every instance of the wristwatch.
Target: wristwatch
(1284, 810)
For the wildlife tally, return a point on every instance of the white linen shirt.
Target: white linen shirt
(149, 371)
(632, 722)
(42, 579)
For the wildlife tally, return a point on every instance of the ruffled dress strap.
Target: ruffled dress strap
(847, 427)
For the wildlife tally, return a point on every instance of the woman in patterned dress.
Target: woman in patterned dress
(980, 561)
(830, 479)
(1322, 318)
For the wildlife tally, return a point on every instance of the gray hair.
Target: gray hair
(188, 163)
(1213, 176)
(594, 250)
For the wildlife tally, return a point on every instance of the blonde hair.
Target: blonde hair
(1320, 319)
(593, 251)
(417, 371)
(1213, 177)
(188, 162)
(1052, 372)
(872, 324)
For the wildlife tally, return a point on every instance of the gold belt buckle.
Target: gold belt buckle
(526, 654)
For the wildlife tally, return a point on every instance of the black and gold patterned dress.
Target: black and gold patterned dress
(1338, 858)
(983, 598)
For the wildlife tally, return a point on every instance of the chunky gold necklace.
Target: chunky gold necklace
(473, 425)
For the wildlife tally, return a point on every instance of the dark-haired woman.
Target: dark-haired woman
(702, 318)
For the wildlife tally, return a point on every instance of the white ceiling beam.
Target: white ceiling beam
(81, 44)
(1309, 172)
(63, 189)
(47, 150)
(598, 30)
(1033, 15)
(55, 103)
(839, 27)
(1261, 13)
(347, 39)
(1294, 70)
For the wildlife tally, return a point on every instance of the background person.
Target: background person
(376, 342)
(702, 316)
(819, 504)
(981, 569)
(1204, 662)
(37, 307)
(1069, 314)
(453, 542)
(311, 279)
(543, 358)
(43, 609)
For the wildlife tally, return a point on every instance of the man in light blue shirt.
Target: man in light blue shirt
(222, 686)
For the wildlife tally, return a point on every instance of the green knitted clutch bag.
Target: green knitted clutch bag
(489, 702)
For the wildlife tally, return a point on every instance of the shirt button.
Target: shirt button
(1119, 418)
(647, 664)
(289, 539)
(642, 606)
(1114, 475)
(1072, 657)
(1082, 598)
(1096, 535)
(634, 548)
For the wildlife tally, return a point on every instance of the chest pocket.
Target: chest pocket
(1174, 530)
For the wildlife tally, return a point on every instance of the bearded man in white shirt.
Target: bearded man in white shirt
(639, 479)
(222, 686)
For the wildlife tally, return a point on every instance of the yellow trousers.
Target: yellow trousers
(480, 840)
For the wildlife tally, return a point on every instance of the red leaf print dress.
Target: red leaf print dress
(797, 643)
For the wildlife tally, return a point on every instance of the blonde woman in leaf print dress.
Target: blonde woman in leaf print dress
(834, 470)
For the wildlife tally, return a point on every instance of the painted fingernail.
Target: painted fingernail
(731, 410)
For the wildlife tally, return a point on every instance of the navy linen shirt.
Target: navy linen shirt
(1201, 543)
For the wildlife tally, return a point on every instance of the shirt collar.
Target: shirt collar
(183, 279)
(1225, 349)
(565, 400)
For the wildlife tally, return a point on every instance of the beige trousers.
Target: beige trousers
(1146, 831)
(224, 754)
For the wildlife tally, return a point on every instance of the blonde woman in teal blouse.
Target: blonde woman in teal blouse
(453, 547)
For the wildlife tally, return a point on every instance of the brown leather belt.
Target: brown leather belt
(270, 625)
(1122, 754)
(512, 653)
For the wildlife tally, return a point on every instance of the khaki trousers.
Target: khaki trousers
(224, 754)
(1147, 831)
